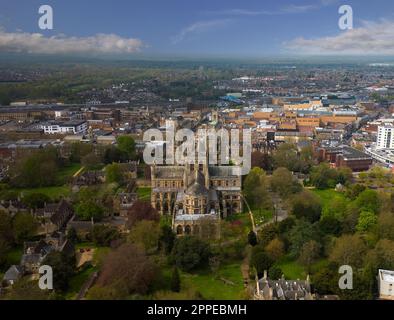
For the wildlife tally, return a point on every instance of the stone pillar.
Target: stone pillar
(161, 202)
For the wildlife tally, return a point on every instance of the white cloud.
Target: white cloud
(372, 38)
(61, 44)
(200, 26)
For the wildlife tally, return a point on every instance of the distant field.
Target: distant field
(329, 195)
(52, 192)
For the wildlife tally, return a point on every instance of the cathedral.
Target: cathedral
(191, 194)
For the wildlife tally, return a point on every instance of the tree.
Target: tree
(113, 154)
(283, 182)
(167, 238)
(325, 280)
(386, 225)
(302, 232)
(145, 233)
(261, 160)
(267, 234)
(344, 175)
(255, 188)
(24, 226)
(72, 235)
(252, 238)
(91, 161)
(80, 150)
(348, 250)
(114, 173)
(368, 200)
(36, 200)
(366, 221)
(330, 225)
(306, 205)
(275, 249)
(141, 210)
(103, 235)
(190, 252)
(310, 252)
(335, 209)
(260, 260)
(63, 269)
(323, 177)
(275, 273)
(287, 157)
(175, 280)
(38, 169)
(85, 211)
(354, 190)
(126, 145)
(127, 270)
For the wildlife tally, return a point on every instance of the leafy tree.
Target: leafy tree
(72, 235)
(330, 225)
(283, 182)
(85, 211)
(38, 169)
(368, 200)
(344, 175)
(190, 252)
(145, 233)
(260, 260)
(302, 232)
(103, 235)
(275, 273)
(366, 221)
(24, 226)
(127, 270)
(335, 209)
(275, 249)
(261, 160)
(175, 280)
(91, 161)
(36, 200)
(255, 188)
(63, 269)
(252, 238)
(113, 154)
(267, 234)
(114, 173)
(386, 225)
(323, 177)
(354, 190)
(79, 151)
(310, 252)
(126, 145)
(348, 250)
(141, 210)
(325, 280)
(306, 205)
(287, 157)
(167, 238)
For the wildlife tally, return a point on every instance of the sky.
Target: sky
(215, 28)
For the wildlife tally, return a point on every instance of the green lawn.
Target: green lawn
(65, 173)
(12, 257)
(52, 192)
(291, 269)
(144, 193)
(329, 195)
(262, 216)
(77, 281)
(212, 287)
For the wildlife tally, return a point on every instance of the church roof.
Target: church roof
(166, 172)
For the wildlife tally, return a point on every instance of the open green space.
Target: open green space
(65, 173)
(144, 193)
(328, 196)
(227, 285)
(77, 281)
(52, 192)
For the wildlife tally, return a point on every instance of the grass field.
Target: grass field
(144, 193)
(293, 270)
(67, 172)
(52, 192)
(328, 196)
(211, 287)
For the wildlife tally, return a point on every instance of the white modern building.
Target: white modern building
(386, 284)
(65, 127)
(385, 138)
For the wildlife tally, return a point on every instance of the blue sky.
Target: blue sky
(228, 28)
